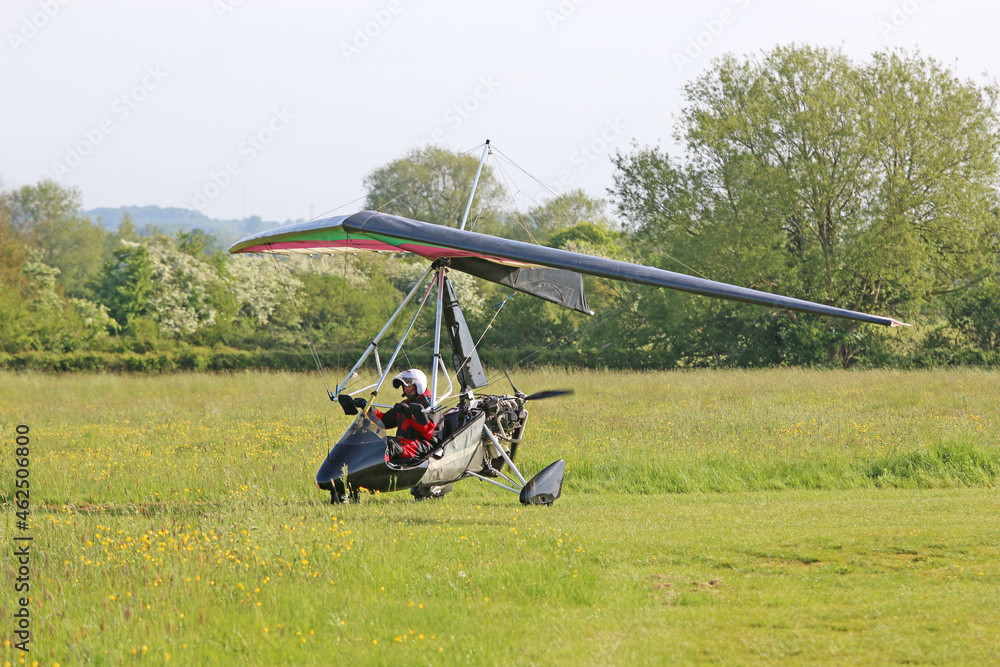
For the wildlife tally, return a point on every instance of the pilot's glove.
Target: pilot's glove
(351, 405)
(414, 410)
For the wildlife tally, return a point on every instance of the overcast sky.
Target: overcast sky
(243, 107)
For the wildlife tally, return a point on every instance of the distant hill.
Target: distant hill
(171, 220)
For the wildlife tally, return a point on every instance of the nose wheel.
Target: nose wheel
(339, 495)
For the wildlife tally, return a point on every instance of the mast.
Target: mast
(437, 336)
(438, 364)
(468, 207)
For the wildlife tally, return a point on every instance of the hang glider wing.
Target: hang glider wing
(373, 231)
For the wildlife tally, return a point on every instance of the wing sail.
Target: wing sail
(369, 230)
(556, 285)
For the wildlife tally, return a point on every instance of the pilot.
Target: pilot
(414, 428)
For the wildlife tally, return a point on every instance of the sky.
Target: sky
(247, 107)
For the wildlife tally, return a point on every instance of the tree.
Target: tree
(126, 228)
(867, 186)
(975, 313)
(47, 216)
(181, 298)
(35, 316)
(127, 283)
(554, 215)
(432, 184)
(585, 233)
(196, 243)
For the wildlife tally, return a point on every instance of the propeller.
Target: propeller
(551, 393)
(538, 395)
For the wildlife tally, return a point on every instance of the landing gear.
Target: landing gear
(339, 495)
(426, 492)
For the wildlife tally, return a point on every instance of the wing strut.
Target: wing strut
(399, 346)
(373, 346)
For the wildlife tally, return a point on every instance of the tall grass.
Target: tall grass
(777, 429)
(222, 437)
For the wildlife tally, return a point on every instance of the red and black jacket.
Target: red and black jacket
(409, 430)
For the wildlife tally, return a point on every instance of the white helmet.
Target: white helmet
(411, 376)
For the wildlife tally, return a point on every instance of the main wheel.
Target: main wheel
(426, 492)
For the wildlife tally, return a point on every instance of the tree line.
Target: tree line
(866, 185)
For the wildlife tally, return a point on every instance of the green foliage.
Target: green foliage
(975, 313)
(127, 283)
(558, 214)
(432, 184)
(47, 216)
(183, 286)
(35, 316)
(334, 312)
(867, 186)
(150, 353)
(525, 324)
(126, 229)
(588, 233)
(195, 243)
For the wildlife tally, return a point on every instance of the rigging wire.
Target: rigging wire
(557, 194)
(568, 338)
(475, 347)
(565, 340)
(399, 180)
(517, 211)
(337, 208)
(525, 172)
(343, 293)
(291, 299)
(499, 157)
(433, 175)
(520, 190)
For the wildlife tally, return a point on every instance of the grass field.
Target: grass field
(733, 517)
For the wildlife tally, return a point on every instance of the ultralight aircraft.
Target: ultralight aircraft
(480, 435)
